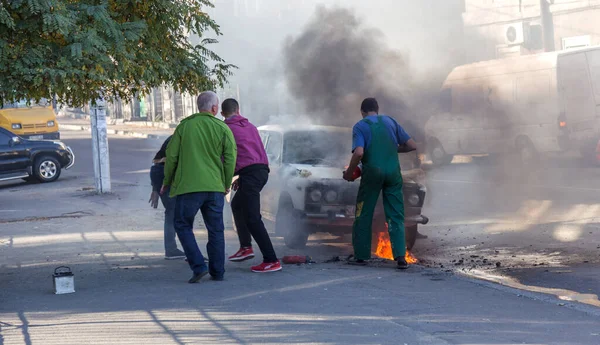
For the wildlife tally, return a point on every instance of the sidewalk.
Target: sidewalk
(145, 130)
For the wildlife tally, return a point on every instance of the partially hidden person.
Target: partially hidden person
(199, 170)
(252, 169)
(376, 141)
(157, 175)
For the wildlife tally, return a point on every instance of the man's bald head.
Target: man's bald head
(208, 102)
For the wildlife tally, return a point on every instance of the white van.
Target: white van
(534, 104)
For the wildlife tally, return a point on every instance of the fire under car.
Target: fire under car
(306, 193)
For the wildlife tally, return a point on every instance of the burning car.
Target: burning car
(306, 193)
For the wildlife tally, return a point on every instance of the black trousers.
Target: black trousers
(246, 210)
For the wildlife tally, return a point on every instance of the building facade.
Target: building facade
(503, 28)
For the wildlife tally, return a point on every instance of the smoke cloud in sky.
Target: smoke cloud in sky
(396, 50)
(337, 61)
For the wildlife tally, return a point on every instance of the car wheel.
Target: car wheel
(287, 222)
(46, 169)
(438, 155)
(411, 236)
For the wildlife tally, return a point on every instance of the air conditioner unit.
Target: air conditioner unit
(514, 34)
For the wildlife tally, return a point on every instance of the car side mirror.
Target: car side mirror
(14, 141)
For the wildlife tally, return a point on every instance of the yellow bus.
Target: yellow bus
(35, 121)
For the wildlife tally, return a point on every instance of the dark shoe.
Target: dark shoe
(217, 279)
(402, 264)
(420, 236)
(196, 277)
(357, 262)
(175, 255)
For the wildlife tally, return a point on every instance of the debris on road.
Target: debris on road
(297, 259)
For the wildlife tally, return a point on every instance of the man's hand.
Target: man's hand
(154, 199)
(409, 146)
(235, 185)
(227, 191)
(348, 176)
(163, 189)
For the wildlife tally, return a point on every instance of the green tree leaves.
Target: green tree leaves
(76, 49)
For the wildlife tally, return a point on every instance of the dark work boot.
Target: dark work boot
(402, 264)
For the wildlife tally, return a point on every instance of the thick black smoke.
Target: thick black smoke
(336, 62)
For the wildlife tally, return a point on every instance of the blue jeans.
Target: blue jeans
(169, 225)
(157, 174)
(211, 206)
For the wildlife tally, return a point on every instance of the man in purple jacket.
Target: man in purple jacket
(252, 169)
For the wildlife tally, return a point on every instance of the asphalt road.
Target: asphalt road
(130, 161)
(539, 224)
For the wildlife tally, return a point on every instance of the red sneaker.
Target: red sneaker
(267, 267)
(245, 253)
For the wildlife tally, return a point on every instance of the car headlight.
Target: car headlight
(50, 124)
(16, 126)
(315, 195)
(414, 200)
(331, 196)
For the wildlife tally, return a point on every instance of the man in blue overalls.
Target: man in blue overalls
(376, 142)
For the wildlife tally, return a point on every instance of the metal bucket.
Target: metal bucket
(64, 280)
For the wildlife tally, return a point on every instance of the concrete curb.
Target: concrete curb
(126, 133)
(526, 293)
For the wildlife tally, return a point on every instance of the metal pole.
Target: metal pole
(100, 147)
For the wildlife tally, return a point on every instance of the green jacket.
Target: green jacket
(201, 156)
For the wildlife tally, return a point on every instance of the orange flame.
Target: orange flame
(384, 249)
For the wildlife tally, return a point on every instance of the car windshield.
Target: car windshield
(317, 147)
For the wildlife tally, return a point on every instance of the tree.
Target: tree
(81, 49)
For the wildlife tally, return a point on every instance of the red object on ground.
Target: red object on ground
(295, 259)
(598, 153)
(267, 267)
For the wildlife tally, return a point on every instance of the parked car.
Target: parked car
(306, 193)
(33, 120)
(42, 160)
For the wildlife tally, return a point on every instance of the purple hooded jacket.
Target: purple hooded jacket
(250, 147)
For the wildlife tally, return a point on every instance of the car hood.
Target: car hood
(317, 172)
(45, 143)
(330, 173)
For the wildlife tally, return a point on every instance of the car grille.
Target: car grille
(348, 196)
(347, 193)
(37, 125)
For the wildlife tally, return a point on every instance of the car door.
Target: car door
(497, 122)
(467, 115)
(270, 196)
(13, 157)
(576, 94)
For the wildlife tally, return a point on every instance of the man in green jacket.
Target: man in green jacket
(199, 169)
